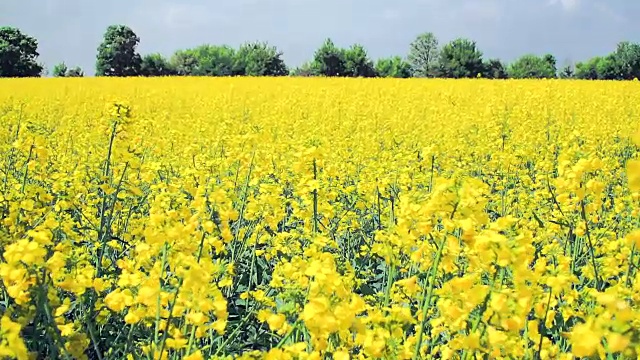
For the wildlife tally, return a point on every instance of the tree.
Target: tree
(530, 66)
(18, 54)
(357, 62)
(329, 60)
(622, 64)
(423, 55)
(598, 68)
(60, 70)
(117, 54)
(206, 60)
(304, 70)
(495, 69)
(215, 60)
(551, 63)
(156, 65)
(184, 63)
(567, 72)
(259, 59)
(626, 61)
(75, 72)
(460, 59)
(588, 70)
(394, 67)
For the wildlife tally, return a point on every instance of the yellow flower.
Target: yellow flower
(11, 343)
(617, 342)
(276, 354)
(178, 343)
(366, 211)
(99, 284)
(341, 355)
(276, 321)
(115, 301)
(634, 238)
(633, 174)
(66, 329)
(197, 355)
(196, 318)
(131, 317)
(585, 340)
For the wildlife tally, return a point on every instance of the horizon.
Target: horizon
(574, 30)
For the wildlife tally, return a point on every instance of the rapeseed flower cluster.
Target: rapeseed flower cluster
(247, 218)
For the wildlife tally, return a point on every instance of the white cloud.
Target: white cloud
(568, 5)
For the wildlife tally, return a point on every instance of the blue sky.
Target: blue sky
(573, 30)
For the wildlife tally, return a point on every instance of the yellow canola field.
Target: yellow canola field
(197, 218)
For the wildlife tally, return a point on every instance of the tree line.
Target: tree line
(117, 55)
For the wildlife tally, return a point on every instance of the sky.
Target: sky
(572, 30)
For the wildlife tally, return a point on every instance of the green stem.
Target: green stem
(158, 302)
(379, 210)
(94, 340)
(546, 313)
(591, 251)
(426, 301)
(107, 165)
(288, 335)
(165, 333)
(315, 199)
(235, 331)
(26, 169)
(390, 277)
(433, 161)
(633, 252)
(126, 345)
(42, 294)
(477, 321)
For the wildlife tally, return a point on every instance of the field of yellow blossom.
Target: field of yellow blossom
(245, 218)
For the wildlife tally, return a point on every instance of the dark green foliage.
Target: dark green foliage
(533, 67)
(357, 62)
(329, 60)
(626, 61)
(597, 68)
(622, 64)
(551, 63)
(117, 54)
(588, 70)
(394, 67)
(18, 54)
(460, 59)
(206, 60)
(608, 68)
(259, 59)
(304, 70)
(214, 60)
(156, 65)
(495, 69)
(61, 70)
(567, 72)
(184, 63)
(75, 72)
